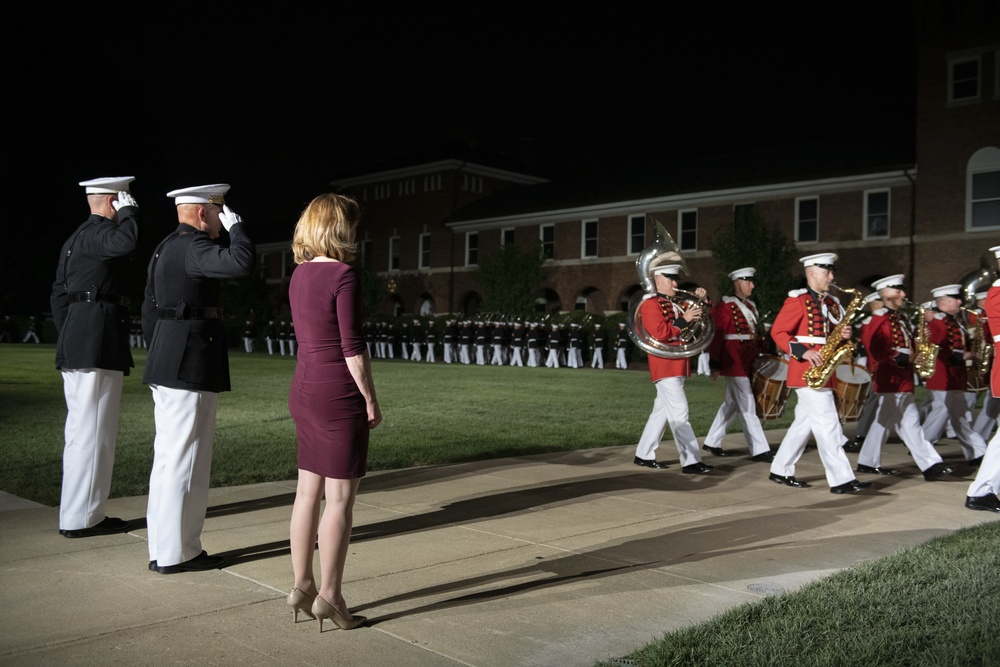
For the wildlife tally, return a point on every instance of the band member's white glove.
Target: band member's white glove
(229, 217)
(124, 199)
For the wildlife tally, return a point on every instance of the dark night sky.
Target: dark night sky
(278, 106)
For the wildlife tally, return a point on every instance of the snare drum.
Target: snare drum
(768, 383)
(851, 384)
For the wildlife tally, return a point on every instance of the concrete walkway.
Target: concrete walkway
(558, 559)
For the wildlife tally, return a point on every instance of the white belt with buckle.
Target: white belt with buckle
(737, 337)
(815, 340)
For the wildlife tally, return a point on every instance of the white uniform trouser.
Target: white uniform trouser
(988, 477)
(430, 353)
(670, 407)
(620, 361)
(816, 413)
(579, 357)
(93, 396)
(248, 345)
(552, 361)
(532, 357)
(182, 467)
(463, 354)
(986, 421)
(447, 353)
(739, 403)
(897, 412)
(951, 406)
(480, 355)
(497, 358)
(571, 360)
(515, 357)
(415, 354)
(598, 360)
(270, 345)
(704, 365)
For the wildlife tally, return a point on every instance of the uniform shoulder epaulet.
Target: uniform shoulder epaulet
(867, 320)
(797, 292)
(729, 299)
(940, 316)
(996, 283)
(880, 311)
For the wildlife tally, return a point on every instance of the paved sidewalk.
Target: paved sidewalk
(557, 559)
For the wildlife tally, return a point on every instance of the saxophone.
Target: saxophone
(979, 366)
(925, 356)
(837, 348)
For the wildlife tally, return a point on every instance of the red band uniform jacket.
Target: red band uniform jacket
(735, 345)
(949, 367)
(805, 315)
(992, 326)
(660, 318)
(889, 339)
(185, 274)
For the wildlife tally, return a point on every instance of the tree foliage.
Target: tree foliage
(751, 242)
(510, 278)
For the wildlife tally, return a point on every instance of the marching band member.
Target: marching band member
(664, 320)
(947, 385)
(874, 303)
(732, 352)
(890, 347)
(986, 420)
(982, 494)
(800, 330)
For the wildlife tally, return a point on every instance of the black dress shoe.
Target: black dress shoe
(649, 463)
(152, 566)
(937, 471)
(976, 462)
(851, 487)
(199, 563)
(698, 468)
(989, 502)
(855, 445)
(875, 471)
(716, 451)
(110, 526)
(788, 481)
(763, 457)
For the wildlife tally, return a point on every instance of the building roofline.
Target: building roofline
(694, 199)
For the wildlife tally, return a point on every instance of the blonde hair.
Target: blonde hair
(326, 229)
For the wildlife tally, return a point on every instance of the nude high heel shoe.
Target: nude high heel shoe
(323, 610)
(299, 601)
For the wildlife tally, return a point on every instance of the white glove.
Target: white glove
(229, 217)
(124, 199)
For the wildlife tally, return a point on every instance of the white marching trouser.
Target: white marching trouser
(430, 353)
(867, 415)
(669, 407)
(248, 345)
(739, 403)
(898, 412)
(497, 358)
(515, 357)
(552, 361)
(986, 420)
(182, 466)
(480, 355)
(447, 353)
(532, 357)
(950, 407)
(598, 360)
(620, 361)
(815, 413)
(415, 353)
(93, 397)
(988, 476)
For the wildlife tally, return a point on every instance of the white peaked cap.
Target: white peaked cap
(889, 281)
(109, 185)
(871, 297)
(201, 194)
(823, 258)
(746, 272)
(954, 290)
(667, 269)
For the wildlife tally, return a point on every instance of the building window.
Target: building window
(983, 189)
(425, 251)
(876, 214)
(507, 236)
(588, 240)
(432, 182)
(471, 248)
(407, 187)
(471, 183)
(687, 230)
(636, 234)
(963, 79)
(394, 253)
(547, 235)
(365, 254)
(807, 220)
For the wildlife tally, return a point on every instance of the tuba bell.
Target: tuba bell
(697, 337)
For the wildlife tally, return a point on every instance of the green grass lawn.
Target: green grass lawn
(434, 413)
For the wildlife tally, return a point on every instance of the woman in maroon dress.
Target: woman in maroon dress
(332, 401)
